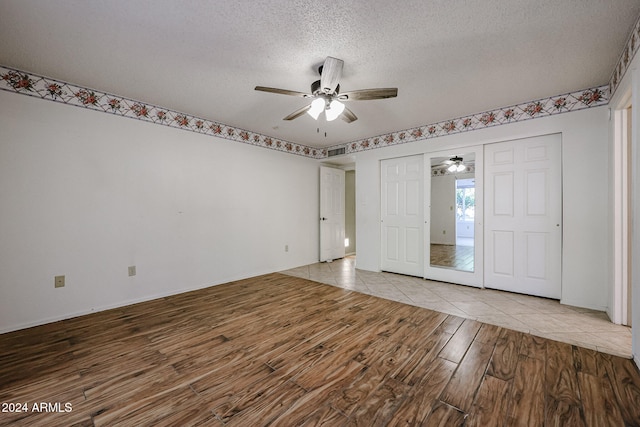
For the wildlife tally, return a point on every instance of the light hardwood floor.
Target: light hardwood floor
(458, 257)
(281, 350)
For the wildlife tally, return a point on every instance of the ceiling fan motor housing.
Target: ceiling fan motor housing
(316, 88)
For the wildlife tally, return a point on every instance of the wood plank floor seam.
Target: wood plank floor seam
(280, 350)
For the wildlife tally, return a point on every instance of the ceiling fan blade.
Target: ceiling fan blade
(440, 166)
(283, 91)
(330, 74)
(367, 94)
(348, 116)
(298, 113)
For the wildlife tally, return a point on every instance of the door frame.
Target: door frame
(620, 313)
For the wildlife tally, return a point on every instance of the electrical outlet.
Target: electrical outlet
(132, 270)
(59, 282)
(286, 248)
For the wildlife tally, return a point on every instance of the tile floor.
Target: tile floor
(538, 316)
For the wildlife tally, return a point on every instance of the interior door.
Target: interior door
(523, 216)
(402, 220)
(331, 213)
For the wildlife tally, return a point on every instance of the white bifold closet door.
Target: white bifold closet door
(523, 216)
(402, 215)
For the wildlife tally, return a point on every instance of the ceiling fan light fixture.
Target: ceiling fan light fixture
(457, 165)
(335, 109)
(317, 107)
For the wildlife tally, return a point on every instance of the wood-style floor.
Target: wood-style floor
(280, 350)
(458, 257)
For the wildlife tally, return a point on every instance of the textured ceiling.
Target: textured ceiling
(447, 58)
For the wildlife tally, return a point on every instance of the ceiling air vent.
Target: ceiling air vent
(336, 152)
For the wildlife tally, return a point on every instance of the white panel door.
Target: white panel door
(523, 216)
(331, 213)
(402, 220)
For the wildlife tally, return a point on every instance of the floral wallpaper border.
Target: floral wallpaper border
(30, 84)
(630, 49)
(54, 90)
(573, 101)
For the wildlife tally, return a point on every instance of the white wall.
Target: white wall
(443, 214)
(585, 271)
(86, 194)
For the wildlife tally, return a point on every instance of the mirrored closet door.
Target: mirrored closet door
(453, 216)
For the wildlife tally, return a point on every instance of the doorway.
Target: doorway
(350, 211)
(338, 182)
(332, 213)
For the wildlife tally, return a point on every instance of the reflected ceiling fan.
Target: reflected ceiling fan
(326, 95)
(454, 164)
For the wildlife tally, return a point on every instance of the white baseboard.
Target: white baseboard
(66, 316)
(98, 309)
(582, 304)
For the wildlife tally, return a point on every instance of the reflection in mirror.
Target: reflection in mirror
(453, 212)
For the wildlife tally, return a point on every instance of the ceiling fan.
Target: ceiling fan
(327, 97)
(454, 164)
